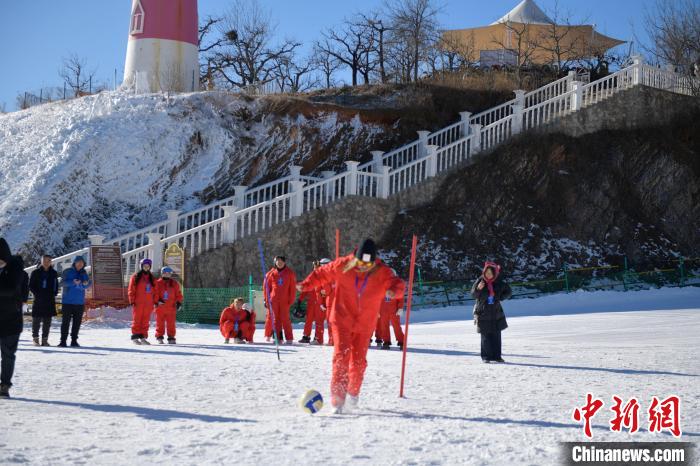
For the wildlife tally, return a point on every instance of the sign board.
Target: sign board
(174, 258)
(107, 273)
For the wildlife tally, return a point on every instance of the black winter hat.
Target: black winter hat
(368, 251)
(5, 254)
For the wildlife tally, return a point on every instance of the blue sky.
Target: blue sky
(36, 34)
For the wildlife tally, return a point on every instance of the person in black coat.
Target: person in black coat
(488, 291)
(11, 278)
(44, 286)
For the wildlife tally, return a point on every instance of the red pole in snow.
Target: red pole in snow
(408, 310)
(337, 243)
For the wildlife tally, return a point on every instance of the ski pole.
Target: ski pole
(408, 310)
(267, 299)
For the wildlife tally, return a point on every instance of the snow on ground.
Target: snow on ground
(202, 402)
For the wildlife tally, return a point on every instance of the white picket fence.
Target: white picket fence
(252, 210)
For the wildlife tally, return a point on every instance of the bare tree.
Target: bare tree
(400, 60)
(76, 75)
(170, 80)
(325, 62)
(347, 45)
(521, 42)
(294, 75)
(455, 52)
(673, 27)
(209, 43)
(415, 22)
(380, 28)
(247, 55)
(558, 38)
(23, 101)
(3, 107)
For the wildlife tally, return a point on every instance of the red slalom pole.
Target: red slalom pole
(408, 311)
(337, 243)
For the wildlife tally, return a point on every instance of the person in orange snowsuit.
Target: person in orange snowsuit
(238, 322)
(389, 315)
(314, 313)
(143, 298)
(168, 301)
(362, 281)
(280, 286)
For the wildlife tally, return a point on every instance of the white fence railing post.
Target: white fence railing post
(96, 240)
(570, 79)
(383, 184)
(637, 61)
(464, 118)
(518, 108)
(239, 196)
(423, 143)
(476, 140)
(431, 161)
(297, 190)
(229, 224)
(155, 251)
(295, 172)
(577, 97)
(173, 222)
(377, 160)
(351, 186)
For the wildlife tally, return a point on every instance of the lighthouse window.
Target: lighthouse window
(137, 19)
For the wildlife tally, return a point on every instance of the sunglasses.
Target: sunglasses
(364, 264)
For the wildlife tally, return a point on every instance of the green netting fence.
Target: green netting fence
(204, 305)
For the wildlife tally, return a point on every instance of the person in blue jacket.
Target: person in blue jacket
(75, 282)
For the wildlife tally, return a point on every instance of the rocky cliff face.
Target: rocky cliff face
(544, 200)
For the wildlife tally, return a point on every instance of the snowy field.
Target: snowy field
(201, 402)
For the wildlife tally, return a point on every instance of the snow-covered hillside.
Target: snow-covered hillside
(113, 162)
(202, 402)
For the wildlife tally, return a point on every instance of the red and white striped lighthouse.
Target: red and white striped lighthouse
(163, 50)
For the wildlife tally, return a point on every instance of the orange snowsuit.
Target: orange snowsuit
(325, 307)
(353, 315)
(280, 286)
(389, 315)
(143, 297)
(168, 296)
(314, 314)
(237, 323)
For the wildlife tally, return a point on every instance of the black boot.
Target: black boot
(63, 343)
(74, 344)
(171, 340)
(378, 342)
(386, 345)
(4, 391)
(305, 339)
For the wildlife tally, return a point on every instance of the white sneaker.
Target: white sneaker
(268, 339)
(316, 342)
(337, 410)
(289, 342)
(351, 402)
(238, 341)
(144, 341)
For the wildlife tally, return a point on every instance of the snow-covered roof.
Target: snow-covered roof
(526, 12)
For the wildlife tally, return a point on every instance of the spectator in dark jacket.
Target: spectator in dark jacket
(43, 284)
(11, 277)
(75, 282)
(488, 291)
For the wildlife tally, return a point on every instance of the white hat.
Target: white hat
(246, 307)
(325, 260)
